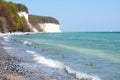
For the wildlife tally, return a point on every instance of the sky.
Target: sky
(78, 15)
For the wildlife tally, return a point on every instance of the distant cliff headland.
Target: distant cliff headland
(15, 18)
(44, 23)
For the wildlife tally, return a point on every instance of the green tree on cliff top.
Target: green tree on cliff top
(9, 15)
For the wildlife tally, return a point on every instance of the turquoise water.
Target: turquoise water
(90, 56)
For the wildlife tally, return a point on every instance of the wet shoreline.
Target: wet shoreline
(18, 65)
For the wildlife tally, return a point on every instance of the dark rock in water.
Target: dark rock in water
(63, 56)
(90, 64)
(43, 49)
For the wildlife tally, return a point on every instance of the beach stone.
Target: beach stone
(9, 65)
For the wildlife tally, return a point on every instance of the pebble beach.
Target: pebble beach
(9, 69)
(20, 66)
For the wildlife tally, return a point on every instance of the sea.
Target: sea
(83, 55)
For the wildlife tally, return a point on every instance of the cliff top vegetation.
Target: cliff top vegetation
(42, 19)
(9, 18)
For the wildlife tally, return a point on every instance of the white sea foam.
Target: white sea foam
(43, 60)
(86, 76)
(79, 75)
(59, 65)
(9, 34)
(6, 38)
(8, 48)
(17, 33)
(27, 43)
(2, 35)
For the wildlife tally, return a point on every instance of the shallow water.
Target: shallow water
(91, 56)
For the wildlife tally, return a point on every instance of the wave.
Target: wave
(56, 64)
(6, 38)
(43, 60)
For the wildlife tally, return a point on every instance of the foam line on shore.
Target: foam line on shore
(17, 33)
(43, 60)
(59, 65)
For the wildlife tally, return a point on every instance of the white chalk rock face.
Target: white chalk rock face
(25, 15)
(51, 27)
(46, 27)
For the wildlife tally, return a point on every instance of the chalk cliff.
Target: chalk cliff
(49, 27)
(40, 23)
(44, 23)
(14, 18)
(10, 21)
(25, 15)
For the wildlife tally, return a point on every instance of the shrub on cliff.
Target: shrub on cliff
(21, 7)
